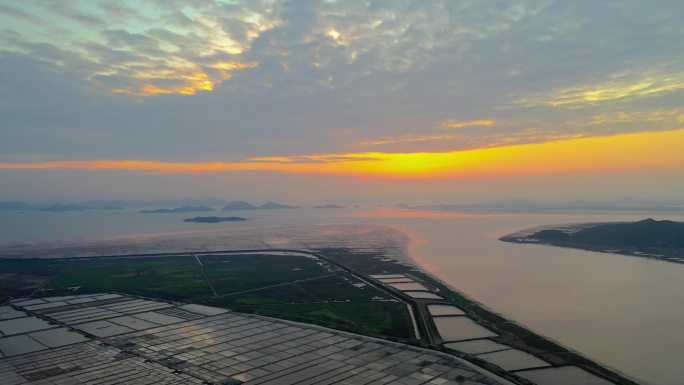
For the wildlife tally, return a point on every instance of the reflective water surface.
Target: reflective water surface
(623, 311)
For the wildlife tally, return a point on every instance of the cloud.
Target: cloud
(456, 123)
(182, 81)
(318, 43)
(642, 151)
(412, 138)
(135, 54)
(621, 87)
(445, 142)
(16, 13)
(673, 116)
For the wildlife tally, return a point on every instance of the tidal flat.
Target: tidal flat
(561, 293)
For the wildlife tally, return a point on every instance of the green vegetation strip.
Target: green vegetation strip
(291, 287)
(177, 277)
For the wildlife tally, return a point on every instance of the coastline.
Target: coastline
(332, 234)
(527, 236)
(487, 314)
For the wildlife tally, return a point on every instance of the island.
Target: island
(275, 206)
(648, 238)
(214, 219)
(242, 205)
(329, 206)
(183, 209)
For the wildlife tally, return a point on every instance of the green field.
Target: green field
(293, 287)
(237, 272)
(342, 287)
(285, 294)
(339, 301)
(21, 277)
(175, 277)
(390, 319)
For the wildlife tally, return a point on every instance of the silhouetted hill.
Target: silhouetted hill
(183, 209)
(214, 219)
(329, 206)
(648, 238)
(238, 205)
(275, 206)
(646, 233)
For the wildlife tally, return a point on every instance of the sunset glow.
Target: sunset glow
(253, 94)
(319, 131)
(641, 151)
(184, 81)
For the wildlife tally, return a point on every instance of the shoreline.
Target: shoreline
(362, 237)
(423, 266)
(527, 236)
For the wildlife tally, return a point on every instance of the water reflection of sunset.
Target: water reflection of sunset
(415, 213)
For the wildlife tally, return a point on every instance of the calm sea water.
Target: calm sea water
(626, 312)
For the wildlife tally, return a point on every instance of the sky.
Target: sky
(420, 101)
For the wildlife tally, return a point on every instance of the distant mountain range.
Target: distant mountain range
(182, 209)
(54, 207)
(242, 205)
(507, 205)
(525, 205)
(142, 204)
(646, 238)
(121, 205)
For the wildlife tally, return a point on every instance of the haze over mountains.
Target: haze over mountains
(626, 204)
(183, 205)
(55, 207)
(242, 205)
(329, 206)
(182, 209)
(623, 204)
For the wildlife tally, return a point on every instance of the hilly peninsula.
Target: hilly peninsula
(648, 238)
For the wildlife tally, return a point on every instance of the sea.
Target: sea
(625, 312)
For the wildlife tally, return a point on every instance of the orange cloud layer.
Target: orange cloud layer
(189, 79)
(661, 150)
(455, 123)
